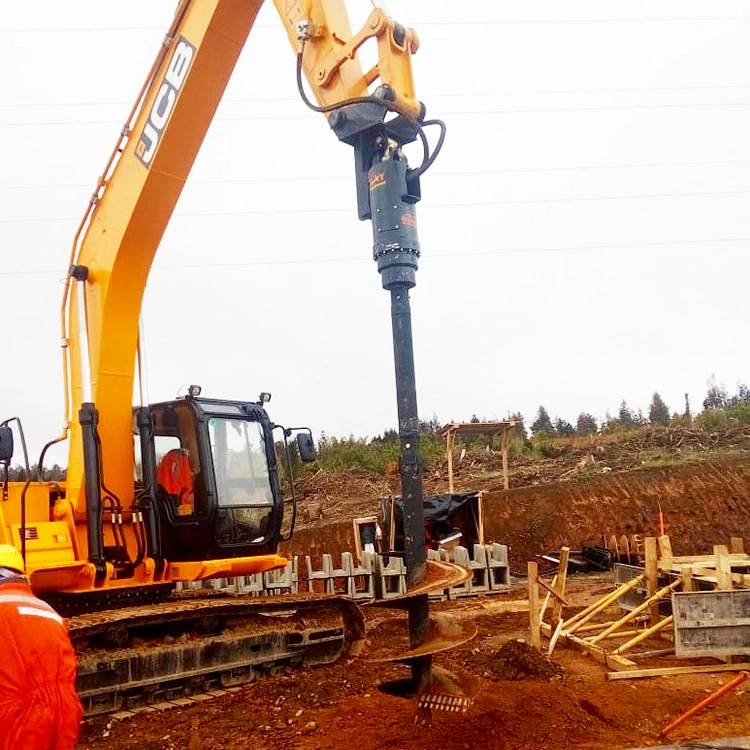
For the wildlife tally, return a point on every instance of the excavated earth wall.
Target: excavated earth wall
(704, 503)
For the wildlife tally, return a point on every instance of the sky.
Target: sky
(584, 232)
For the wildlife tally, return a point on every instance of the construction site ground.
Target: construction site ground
(520, 703)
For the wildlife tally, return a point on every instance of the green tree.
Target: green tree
(563, 428)
(658, 412)
(586, 424)
(625, 417)
(542, 425)
(716, 397)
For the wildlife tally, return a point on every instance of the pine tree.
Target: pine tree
(625, 416)
(716, 397)
(542, 425)
(658, 412)
(586, 424)
(563, 428)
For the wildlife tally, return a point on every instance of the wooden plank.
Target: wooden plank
(555, 636)
(535, 634)
(562, 577)
(666, 671)
(553, 591)
(546, 601)
(613, 661)
(504, 440)
(687, 578)
(480, 516)
(652, 574)
(740, 558)
(736, 545)
(665, 549)
(449, 438)
(723, 568)
(743, 581)
(653, 654)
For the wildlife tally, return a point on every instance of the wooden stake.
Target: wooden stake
(547, 597)
(535, 633)
(665, 551)
(736, 545)
(555, 636)
(504, 440)
(562, 577)
(449, 454)
(652, 573)
(723, 568)
(687, 578)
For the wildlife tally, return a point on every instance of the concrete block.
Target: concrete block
(122, 715)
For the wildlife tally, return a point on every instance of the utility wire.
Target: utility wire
(436, 173)
(429, 206)
(426, 96)
(473, 24)
(457, 113)
(453, 254)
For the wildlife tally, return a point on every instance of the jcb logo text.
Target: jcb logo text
(166, 97)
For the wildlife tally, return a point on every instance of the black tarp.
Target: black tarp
(443, 516)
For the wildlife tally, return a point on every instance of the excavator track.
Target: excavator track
(136, 656)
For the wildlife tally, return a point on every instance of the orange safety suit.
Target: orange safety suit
(175, 476)
(39, 708)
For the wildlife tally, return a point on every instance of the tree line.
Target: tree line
(719, 407)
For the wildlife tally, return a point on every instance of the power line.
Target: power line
(429, 206)
(453, 254)
(419, 24)
(427, 96)
(434, 174)
(457, 113)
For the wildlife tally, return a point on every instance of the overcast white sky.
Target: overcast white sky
(584, 233)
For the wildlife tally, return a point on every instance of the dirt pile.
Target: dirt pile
(516, 660)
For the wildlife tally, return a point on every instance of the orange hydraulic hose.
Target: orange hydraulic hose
(740, 678)
(95, 196)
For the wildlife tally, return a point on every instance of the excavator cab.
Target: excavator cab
(209, 470)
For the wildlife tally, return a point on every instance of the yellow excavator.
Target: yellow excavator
(197, 494)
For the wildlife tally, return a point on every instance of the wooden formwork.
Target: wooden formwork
(613, 642)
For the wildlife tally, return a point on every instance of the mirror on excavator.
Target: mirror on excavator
(6, 443)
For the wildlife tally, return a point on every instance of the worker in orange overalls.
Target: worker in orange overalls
(176, 477)
(39, 708)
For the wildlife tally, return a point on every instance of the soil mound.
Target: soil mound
(517, 660)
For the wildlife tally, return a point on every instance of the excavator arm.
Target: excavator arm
(134, 199)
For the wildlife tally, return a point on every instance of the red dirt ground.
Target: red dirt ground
(336, 707)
